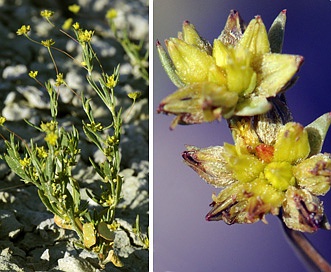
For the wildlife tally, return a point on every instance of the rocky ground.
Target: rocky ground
(29, 239)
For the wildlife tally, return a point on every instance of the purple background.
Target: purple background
(183, 240)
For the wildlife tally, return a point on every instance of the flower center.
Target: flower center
(279, 175)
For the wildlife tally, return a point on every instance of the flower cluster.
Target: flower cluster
(48, 43)
(23, 30)
(275, 165)
(260, 177)
(51, 131)
(235, 76)
(85, 36)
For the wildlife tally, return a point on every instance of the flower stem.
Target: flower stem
(306, 252)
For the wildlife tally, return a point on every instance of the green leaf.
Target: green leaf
(276, 33)
(317, 131)
(105, 232)
(16, 167)
(168, 66)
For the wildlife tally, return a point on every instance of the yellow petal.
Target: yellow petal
(241, 79)
(265, 192)
(197, 103)
(275, 71)
(217, 75)
(279, 175)
(198, 97)
(252, 106)
(192, 37)
(245, 167)
(220, 53)
(292, 143)
(192, 64)
(255, 38)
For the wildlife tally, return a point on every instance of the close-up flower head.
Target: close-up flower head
(233, 77)
(267, 155)
(287, 173)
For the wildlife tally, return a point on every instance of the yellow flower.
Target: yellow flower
(2, 120)
(74, 8)
(49, 126)
(134, 95)
(261, 178)
(23, 30)
(25, 162)
(67, 24)
(239, 65)
(76, 26)
(48, 43)
(85, 35)
(46, 13)
(59, 79)
(95, 127)
(111, 14)
(110, 81)
(33, 74)
(41, 152)
(51, 138)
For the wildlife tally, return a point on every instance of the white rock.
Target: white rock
(72, 264)
(45, 256)
(10, 98)
(15, 112)
(14, 72)
(35, 97)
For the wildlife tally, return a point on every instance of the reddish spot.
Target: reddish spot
(189, 156)
(264, 152)
(212, 204)
(161, 108)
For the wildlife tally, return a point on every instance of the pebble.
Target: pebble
(10, 227)
(74, 264)
(17, 111)
(14, 72)
(34, 96)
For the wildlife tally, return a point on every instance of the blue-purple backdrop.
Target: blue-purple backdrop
(183, 240)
